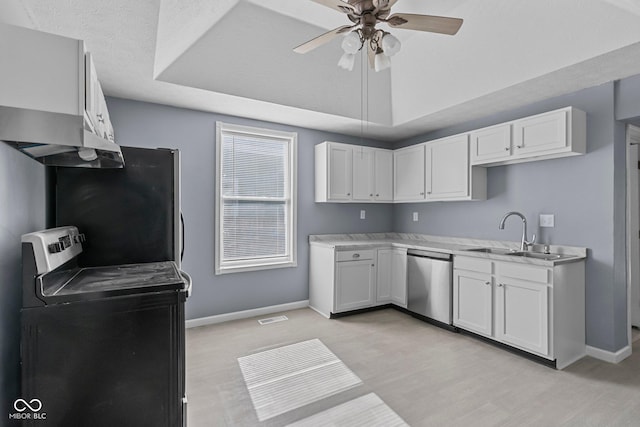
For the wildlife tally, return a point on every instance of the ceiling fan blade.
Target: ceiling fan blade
(339, 5)
(322, 39)
(432, 24)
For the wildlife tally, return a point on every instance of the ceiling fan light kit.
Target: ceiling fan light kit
(381, 62)
(381, 45)
(347, 61)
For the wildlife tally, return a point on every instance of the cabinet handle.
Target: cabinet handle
(428, 192)
(100, 118)
(356, 255)
(500, 285)
(422, 194)
(518, 146)
(371, 195)
(377, 195)
(373, 265)
(506, 148)
(348, 194)
(487, 283)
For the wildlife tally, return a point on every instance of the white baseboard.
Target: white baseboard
(609, 356)
(245, 314)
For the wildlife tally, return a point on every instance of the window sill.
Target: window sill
(254, 267)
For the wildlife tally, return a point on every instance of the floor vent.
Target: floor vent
(273, 320)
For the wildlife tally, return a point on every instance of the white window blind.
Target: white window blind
(256, 204)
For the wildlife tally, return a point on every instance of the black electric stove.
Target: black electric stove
(101, 346)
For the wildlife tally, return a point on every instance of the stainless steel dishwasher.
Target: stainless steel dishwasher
(430, 285)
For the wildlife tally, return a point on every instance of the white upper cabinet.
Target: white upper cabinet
(409, 173)
(542, 133)
(451, 168)
(557, 133)
(51, 73)
(449, 175)
(333, 172)
(372, 174)
(491, 144)
(363, 173)
(353, 173)
(383, 176)
(95, 104)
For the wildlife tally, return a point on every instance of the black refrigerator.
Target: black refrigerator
(132, 215)
(112, 360)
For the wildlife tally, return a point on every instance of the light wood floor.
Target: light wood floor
(429, 376)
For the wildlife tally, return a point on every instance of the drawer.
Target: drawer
(354, 255)
(523, 272)
(472, 264)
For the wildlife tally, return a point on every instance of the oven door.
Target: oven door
(107, 362)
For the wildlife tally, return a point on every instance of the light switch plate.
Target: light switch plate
(415, 216)
(547, 220)
(363, 214)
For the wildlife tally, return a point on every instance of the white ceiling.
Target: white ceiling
(234, 57)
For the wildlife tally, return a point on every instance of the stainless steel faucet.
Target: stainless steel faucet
(524, 244)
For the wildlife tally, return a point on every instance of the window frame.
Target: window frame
(290, 260)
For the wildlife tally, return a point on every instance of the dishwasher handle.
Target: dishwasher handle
(429, 254)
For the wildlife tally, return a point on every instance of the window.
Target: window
(255, 198)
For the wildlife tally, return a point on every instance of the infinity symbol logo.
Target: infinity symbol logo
(22, 405)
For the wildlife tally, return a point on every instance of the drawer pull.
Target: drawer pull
(356, 255)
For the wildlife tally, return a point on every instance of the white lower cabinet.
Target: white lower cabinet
(522, 317)
(534, 308)
(473, 302)
(392, 276)
(355, 281)
(341, 281)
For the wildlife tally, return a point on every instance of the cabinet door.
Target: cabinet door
(447, 168)
(339, 172)
(94, 97)
(408, 169)
(522, 315)
(472, 302)
(354, 285)
(363, 171)
(541, 133)
(491, 144)
(383, 175)
(399, 277)
(384, 276)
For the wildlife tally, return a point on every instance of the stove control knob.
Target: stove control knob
(80, 238)
(54, 248)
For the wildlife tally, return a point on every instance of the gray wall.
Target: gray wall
(22, 205)
(193, 132)
(585, 193)
(628, 99)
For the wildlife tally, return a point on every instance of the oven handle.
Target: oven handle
(189, 282)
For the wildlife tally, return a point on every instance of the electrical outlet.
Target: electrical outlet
(363, 214)
(415, 216)
(547, 220)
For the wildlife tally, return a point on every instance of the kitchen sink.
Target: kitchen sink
(492, 251)
(537, 255)
(511, 252)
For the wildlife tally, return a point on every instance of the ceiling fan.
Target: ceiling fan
(380, 44)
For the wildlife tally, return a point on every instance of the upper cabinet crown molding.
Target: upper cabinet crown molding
(558, 133)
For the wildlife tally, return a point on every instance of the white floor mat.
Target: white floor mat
(289, 377)
(365, 411)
